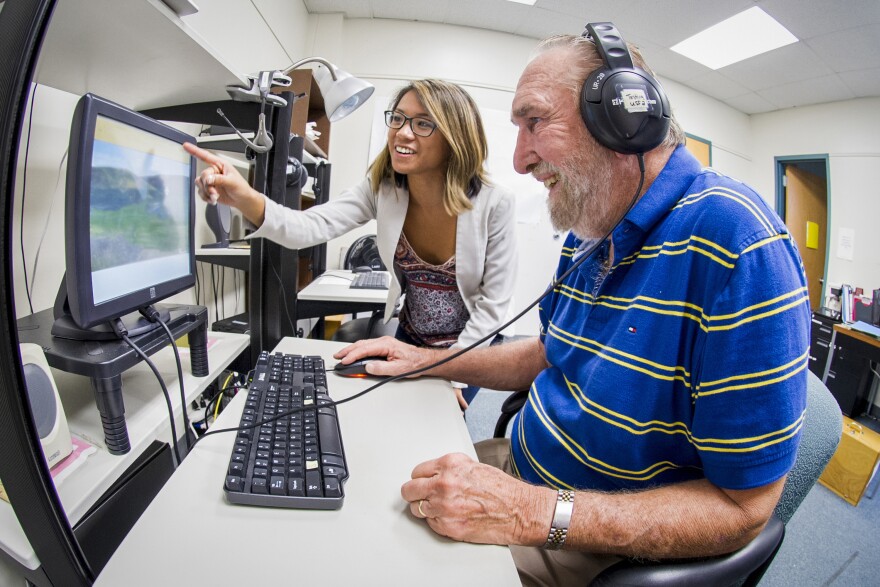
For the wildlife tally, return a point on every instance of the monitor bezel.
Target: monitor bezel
(83, 309)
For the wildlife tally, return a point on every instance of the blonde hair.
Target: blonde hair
(591, 61)
(458, 120)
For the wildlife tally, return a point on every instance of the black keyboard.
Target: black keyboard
(296, 461)
(372, 280)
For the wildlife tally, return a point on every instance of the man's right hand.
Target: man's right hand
(399, 357)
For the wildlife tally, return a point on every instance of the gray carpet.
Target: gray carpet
(827, 541)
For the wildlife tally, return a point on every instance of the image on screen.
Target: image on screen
(139, 210)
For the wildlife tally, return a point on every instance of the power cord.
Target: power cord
(553, 285)
(122, 332)
(151, 314)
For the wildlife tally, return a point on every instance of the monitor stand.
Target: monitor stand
(104, 361)
(136, 325)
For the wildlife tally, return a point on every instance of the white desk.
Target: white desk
(330, 294)
(146, 418)
(190, 533)
(333, 286)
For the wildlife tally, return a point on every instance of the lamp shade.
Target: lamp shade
(342, 95)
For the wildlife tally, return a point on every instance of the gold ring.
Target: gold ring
(420, 509)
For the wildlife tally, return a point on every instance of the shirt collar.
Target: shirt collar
(666, 190)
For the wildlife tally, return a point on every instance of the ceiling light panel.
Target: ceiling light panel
(744, 35)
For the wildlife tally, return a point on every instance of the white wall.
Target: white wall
(488, 64)
(848, 133)
(239, 33)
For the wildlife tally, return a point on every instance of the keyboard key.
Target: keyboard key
(277, 486)
(234, 483)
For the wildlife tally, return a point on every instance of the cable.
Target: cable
(27, 148)
(553, 285)
(48, 219)
(262, 140)
(151, 314)
(123, 334)
(214, 289)
(284, 297)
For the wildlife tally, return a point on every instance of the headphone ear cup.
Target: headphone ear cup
(625, 110)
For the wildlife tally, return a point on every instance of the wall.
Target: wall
(488, 64)
(847, 133)
(240, 35)
(388, 53)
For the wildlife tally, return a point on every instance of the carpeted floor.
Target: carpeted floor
(827, 541)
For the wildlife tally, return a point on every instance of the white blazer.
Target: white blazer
(485, 244)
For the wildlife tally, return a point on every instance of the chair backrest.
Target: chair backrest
(364, 252)
(820, 435)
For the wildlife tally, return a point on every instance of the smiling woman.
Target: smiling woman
(446, 233)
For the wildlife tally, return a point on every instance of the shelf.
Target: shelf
(146, 418)
(89, 47)
(312, 148)
(233, 144)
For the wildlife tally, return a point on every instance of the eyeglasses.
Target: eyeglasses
(420, 126)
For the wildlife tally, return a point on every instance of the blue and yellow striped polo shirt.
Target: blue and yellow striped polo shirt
(686, 358)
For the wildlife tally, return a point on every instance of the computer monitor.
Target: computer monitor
(129, 228)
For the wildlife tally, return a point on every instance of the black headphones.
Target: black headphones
(623, 106)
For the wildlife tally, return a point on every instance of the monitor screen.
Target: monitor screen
(129, 216)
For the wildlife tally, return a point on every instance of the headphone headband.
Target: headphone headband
(611, 47)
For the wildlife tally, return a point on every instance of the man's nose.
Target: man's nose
(524, 155)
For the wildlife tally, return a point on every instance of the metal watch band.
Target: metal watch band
(561, 520)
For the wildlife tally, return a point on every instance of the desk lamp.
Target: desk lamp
(343, 94)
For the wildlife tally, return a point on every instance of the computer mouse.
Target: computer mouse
(362, 269)
(357, 368)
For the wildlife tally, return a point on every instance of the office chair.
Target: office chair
(363, 252)
(819, 438)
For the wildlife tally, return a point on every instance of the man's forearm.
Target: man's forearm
(691, 519)
(505, 367)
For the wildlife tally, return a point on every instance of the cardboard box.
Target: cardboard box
(853, 464)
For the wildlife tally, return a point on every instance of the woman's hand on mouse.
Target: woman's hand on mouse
(399, 357)
(221, 183)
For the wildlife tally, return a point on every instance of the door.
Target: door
(806, 215)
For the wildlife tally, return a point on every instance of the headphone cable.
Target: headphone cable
(553, 285)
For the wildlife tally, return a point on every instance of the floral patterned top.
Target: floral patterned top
(433, 312)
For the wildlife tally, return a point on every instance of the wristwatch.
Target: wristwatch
(561, 520)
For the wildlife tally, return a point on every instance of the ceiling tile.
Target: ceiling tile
(423, 10)
(351, 8)
(543, 23)
(499, 15)
(781, 66)
(717, 85)
(840, 37)
(751, 103)
(863, 83)
(811, 19)
(854, 49)
(812, 91)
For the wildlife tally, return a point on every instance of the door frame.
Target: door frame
(823, 159)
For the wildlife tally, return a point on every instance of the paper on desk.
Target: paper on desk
(866, 328)
(81, 451)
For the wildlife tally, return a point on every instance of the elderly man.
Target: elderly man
(667, 389)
